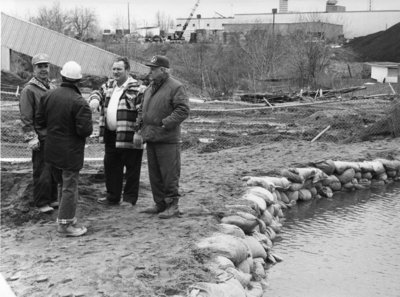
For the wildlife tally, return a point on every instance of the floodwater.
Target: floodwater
(347, 246)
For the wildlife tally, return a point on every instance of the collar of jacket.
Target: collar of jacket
(129, 83)
(71, 86)
(40, 84)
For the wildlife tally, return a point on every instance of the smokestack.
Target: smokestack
(283, 6)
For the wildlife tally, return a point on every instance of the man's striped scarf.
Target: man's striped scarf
(127, 112)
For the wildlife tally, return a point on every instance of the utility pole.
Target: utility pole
(129, 22)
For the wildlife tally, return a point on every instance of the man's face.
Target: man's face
(41, 71)
(119, 72)
(155, 72)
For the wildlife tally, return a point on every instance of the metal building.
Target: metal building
(28, 38)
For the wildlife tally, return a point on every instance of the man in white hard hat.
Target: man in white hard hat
(44, 187)
(68, 119)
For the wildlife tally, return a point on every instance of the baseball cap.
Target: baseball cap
(158, 61)
(40, 58)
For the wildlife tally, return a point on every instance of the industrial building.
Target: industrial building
(353, 23)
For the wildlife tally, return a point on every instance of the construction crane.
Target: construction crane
(179, 34)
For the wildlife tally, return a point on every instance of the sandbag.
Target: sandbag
(372, 166)
(264, 240)
(341, 166)
(347, 176)
(271, 233)
(390, 164)
(261, 192)
(244, 206)
(259, 270)
(267, 181)
(276, 226)
(277, 210)
(327, 166)
(305, 195)
(255, 247)
(292, 176)
(230, 288)
(246, 266)
(267, 218)
(222, 262)
(259, 181)
(382, 176)
(231, 247)
(295, 187)
(292, 195)
(231, 230)
(243, 278)
(367, 175)
(262, 205)
(326, 192)
(391, 173)
(247, 222)
(305, 173)
(313, 191)
(255, 291)
(284, 197)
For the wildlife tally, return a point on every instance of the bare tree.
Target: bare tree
(52, 18)
(309, 52)
(83, 20)
(164, 21)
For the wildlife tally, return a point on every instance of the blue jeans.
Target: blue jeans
(68, 194)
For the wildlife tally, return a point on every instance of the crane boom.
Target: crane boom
(180, 35)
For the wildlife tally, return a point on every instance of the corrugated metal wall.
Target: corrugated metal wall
(30, 39)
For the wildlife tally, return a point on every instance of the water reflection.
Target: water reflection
(345, 246)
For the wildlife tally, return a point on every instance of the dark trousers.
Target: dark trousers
(44, 184)
(68, 194)
(164, 163)
(115, 159)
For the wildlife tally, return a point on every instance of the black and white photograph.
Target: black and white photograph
(200, 148)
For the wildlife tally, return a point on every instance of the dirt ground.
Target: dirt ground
(126, 253)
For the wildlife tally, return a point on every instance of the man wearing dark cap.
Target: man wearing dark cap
(44, 186)
(165, 107)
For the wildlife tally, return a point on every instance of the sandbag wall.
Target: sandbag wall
(242, 247)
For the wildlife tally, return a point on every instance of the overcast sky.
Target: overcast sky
(143, 12)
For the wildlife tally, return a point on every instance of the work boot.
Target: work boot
(156, 208)
(70, 230)
(171, 211)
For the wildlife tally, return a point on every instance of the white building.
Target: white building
(385, 71)
(355, 23)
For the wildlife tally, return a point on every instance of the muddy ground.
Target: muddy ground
(126, 253)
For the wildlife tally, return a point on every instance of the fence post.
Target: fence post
(398, 79)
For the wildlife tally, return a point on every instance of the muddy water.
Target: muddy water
(348, 246)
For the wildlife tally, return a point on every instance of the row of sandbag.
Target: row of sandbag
(323, 178)
(242, 247)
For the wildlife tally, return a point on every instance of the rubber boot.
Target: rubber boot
(171, 211)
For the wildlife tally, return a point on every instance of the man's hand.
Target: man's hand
(94, 105)
(34, 144)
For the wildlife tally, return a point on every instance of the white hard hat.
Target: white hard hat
(71, 70)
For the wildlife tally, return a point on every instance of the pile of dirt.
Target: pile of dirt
(380, 46)
(12, 79)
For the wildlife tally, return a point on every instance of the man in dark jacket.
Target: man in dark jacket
(68, 120)
(44, 187)
(165, 107)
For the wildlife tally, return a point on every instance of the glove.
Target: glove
(34, 144)
(142, 88)
(137, 140)
(94, 105)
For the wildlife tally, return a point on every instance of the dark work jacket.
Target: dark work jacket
(68, 119)
(164, 111)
